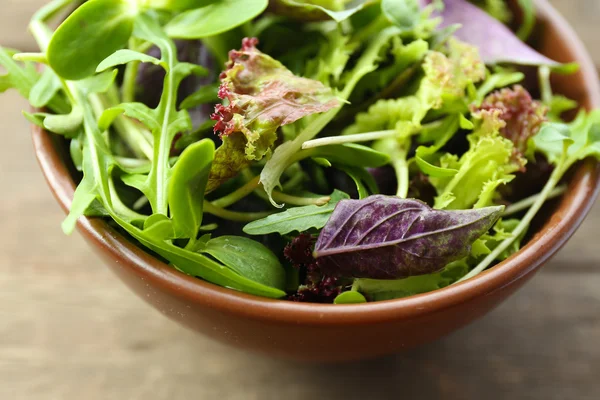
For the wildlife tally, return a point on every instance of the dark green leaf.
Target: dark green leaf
(248, 258)
(364, 181)
(187, 185)
(90, 34)
(214, 18)
(351, 154)
(526, 27)
(298, 219)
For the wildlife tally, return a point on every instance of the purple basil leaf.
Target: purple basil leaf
(384, 237)
(496, 42)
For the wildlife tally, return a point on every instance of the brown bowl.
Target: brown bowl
(344, 332)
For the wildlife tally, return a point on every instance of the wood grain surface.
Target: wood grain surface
(70, 330)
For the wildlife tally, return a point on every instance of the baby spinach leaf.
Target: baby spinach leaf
(91, 33)
(298, 219)
(385, 237)
(187, 185)
(214, 18)
(349, 297)
(249, 258)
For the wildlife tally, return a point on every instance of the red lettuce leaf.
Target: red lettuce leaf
(384, 237)
(495, 41)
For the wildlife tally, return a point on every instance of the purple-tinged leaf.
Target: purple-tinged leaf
(384, 237)
(496, 42)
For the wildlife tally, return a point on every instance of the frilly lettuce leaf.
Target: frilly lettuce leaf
(522, 115)
(261, 95)
(446, 79)
(489, 163)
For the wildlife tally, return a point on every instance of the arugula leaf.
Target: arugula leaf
(298, 219)
(44, 89)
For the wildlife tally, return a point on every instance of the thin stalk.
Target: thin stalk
(129, 78)
(529, 201)
(359, 137)
(523, 225)
(402, 173)
(300, 201)
(234, 215)
(238, 194)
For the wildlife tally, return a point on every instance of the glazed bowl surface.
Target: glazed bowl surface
(331, 333)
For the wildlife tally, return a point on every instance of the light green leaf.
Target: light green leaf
(64, 124)
(215, 18)
(98, 83)
(298, 219)
(248, 258)
(528, 24)
(336, 10)
(159, 227)
(405, 14)
(138, 111)
(91, 33)
(350, 297)
(44, 89)
(125, 56)
(187, 185)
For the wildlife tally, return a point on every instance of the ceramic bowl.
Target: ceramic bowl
(329, 333)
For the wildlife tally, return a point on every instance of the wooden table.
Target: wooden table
(64, 338)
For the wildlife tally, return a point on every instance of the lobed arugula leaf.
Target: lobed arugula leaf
(299, 219)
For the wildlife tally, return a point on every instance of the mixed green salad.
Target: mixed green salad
(331, 151)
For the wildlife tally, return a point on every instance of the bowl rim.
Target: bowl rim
(584, 190)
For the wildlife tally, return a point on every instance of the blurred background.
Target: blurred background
(70, 330)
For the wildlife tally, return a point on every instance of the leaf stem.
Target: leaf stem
(359, 137)
(234, 215)
(523, 225)
(529, 201)
(300, 201)
(129, 79)
(402, 173)
(238, 194)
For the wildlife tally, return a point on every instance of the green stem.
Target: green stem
(356, 138)
(529, 201)
(234, 215)
(238, 194)
(523, 224)
(402, 173)
(300, 201)
(129, 78)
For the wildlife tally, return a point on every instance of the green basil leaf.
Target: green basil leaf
(298, 219)
(248, 258)
(350, 297)
(405, 14)
(91, 33)
(125, 56)
(44, 89)
(214, 18)
(187, 185)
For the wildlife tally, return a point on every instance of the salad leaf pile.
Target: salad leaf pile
(332, 151)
